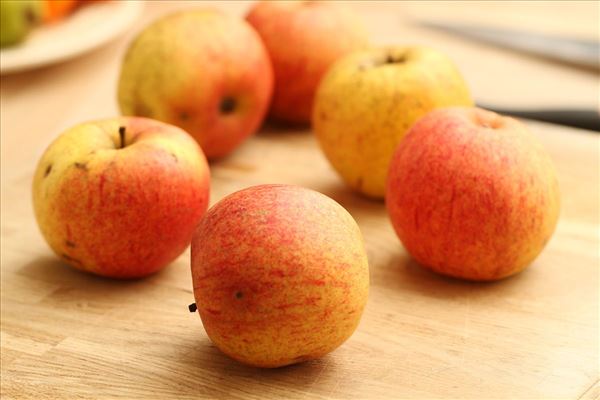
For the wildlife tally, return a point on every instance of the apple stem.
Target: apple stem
(394, 59)
(122, 136)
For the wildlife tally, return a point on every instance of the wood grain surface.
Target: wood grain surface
(67, 334)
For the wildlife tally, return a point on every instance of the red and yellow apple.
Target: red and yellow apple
(203, 71)
(303, 39)
(369, 99)
(120, 197)
(472, 194)
(280, 275)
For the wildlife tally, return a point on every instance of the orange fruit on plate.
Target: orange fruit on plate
(55, 10)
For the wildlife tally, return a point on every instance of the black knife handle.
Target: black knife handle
(578, 118)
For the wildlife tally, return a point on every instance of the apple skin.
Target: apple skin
(17, 19)
(367, 102)
(120, 212)
(304, 38)
(472, 194)
(280, 275)
(203, 71)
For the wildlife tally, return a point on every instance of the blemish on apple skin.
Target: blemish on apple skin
(395, 59)
(48, 169)
(183, 116)
(82, 166)
(228, 105)
(31, 15)
(70, 244)
(239, 295)
(174, 157)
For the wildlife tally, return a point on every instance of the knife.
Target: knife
(578, 52)
(574, 117)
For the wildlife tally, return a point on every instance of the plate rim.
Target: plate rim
(129, 11)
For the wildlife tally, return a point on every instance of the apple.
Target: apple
(303, 39)
(120, 197)
(280, 275)
(203, 71)
(17, 18)
(472, 194)
(369, 99)
(55, 10)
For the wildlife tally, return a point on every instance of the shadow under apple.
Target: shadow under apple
(274, 127)
(352, 201)
(52, 270)
(211, 373)
(403, 273)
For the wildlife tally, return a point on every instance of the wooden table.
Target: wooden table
(66, 334)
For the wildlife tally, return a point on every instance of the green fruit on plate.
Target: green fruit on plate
(17, 17)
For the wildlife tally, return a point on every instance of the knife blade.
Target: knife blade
(573, 51)
(578, 118)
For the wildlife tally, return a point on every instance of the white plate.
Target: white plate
(87, 28)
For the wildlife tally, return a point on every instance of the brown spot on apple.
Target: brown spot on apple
(184, 116)
(48, 170)
(81, 166)
(391, 58)
(70, 244)
(228, 105)
(31, 16)
(238, 295)
(174, 157)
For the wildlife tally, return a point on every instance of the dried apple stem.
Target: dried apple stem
(122, 136)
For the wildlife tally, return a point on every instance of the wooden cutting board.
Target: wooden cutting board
(67, 334)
